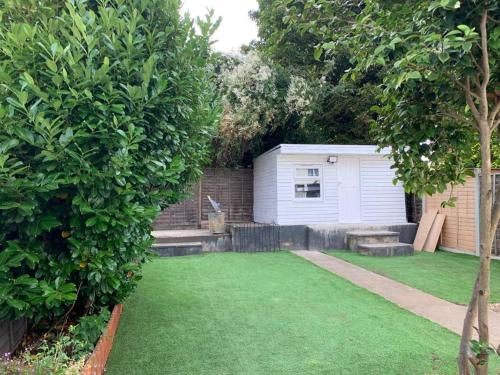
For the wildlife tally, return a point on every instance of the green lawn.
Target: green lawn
(443, 274)
(269, 313)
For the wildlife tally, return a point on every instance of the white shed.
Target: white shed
(326, 184)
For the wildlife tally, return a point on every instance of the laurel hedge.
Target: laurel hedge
(106, 108)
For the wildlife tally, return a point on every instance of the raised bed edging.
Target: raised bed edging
(96, 363)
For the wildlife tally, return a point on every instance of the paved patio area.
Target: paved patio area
(444, 313)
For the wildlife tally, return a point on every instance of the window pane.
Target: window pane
(308, 190)
(307, 172)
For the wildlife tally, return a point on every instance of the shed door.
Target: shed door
(349, 189)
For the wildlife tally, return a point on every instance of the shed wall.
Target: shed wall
(264, 189)
(292, 211)
(382, 202)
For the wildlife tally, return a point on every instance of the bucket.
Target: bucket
(216, 222)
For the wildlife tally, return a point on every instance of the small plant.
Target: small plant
(64, 355)
(481, 350)
(88, 330)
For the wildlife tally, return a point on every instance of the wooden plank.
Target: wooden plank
(433, 237)
(424, 228)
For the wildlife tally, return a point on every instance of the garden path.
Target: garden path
(444, 313)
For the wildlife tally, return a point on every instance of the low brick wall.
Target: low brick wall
(96, 363)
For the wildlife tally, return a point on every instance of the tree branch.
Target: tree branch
(466, 88)
(455, 116)
(493, 115)
(476, 63)
(465, 354)
(470, 102)
(494, 125)
(484, 47)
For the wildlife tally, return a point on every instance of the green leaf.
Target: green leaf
(414, 75)
(51, 65)
(44, 223)
(465, 29)
(9, 205)
(26, 280)
(7, 145)
(443, 57)
(16, 303)
(66, 137)
(318, 52)
(28, 78)
(91, 221)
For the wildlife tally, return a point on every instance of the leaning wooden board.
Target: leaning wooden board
(423, 229)
(433, 237)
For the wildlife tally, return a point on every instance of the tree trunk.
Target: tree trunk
(485, 240)
(470, 318)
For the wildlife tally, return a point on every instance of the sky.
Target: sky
(236, 27)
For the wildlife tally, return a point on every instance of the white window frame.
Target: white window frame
(305, 179)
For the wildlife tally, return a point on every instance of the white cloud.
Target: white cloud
(236, 27)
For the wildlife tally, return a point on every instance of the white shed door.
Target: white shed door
(349, 189)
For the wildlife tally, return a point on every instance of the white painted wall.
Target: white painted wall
(265, 189)
(274, 197)
(291, 211)
(382, 202)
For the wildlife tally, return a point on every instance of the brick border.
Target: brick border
(96, 363)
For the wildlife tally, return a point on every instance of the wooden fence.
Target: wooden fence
(461, 227)
(233, 188)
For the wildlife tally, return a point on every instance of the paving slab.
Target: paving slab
(444, 313)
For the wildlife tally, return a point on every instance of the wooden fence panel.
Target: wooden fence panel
(232, 188)
(459, 230)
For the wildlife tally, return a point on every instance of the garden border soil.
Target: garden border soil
(96, 363)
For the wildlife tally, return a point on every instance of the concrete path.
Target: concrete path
(444, 313)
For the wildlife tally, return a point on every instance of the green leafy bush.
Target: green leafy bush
(106, 108)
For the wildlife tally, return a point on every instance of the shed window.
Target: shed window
(307, 183)
(306, 172)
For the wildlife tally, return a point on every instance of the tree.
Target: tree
(289, 36)
(106, 111)
(440, 62)
(263, 105)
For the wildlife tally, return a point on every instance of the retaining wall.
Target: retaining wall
(315, 237)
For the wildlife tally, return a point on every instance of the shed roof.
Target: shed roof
(329, 149)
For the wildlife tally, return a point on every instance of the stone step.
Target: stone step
(354, 238)
(209, 242)
(177, 249)
(187, 239)
(385, 249)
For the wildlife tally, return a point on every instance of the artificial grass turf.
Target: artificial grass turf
(443, 274)
(269, 313)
